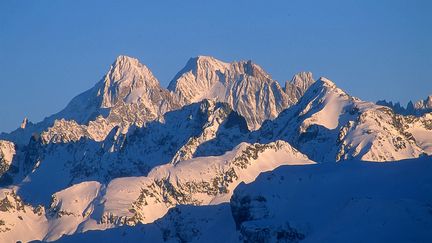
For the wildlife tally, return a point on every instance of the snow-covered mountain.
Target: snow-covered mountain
(131, 159)
(127, 95)
(327, 124)
(244, 85)
(130, 200)
(345, 202)
(67, 158)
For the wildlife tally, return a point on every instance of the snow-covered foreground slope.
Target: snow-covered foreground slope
(350, 201)
(184, 223)
(344, 202)
(132, 200)
(24, 222)
(199, 181)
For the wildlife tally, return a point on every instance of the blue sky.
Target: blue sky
(51, 51)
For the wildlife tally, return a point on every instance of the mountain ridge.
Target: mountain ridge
(418, 108)
(244, 85)
(128, 84)
(129, 151)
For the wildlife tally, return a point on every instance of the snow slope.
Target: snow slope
(199, 181)
(184, 223)
(350, 201)
(131, 200)
(346, 202)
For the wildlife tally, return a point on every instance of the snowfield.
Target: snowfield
(351, 201)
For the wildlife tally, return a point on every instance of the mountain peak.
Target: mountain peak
(202, 58)
(302, 79)
(127, 79)
(326, 82)
(207, 62)
(429, 101)
(123, 59)
(323, 89)
(128, 66)
(240, 84)
(298, 85)
(425, 104)
(24, 123)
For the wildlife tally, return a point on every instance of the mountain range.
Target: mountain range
(417, 109)
(224, 150)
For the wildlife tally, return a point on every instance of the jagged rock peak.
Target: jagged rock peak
(417, 109)
(244, 85)
(298, 85)
(424, 104)
(205, 68)
(124, 68)
(207, 60)
(252, 69)
(24, 123)
(302, 80)
(123, 59)
(196, 66)
(127, 80)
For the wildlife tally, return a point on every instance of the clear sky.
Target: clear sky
(51, 51)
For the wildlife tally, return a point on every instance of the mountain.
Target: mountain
(327, 124)
(131, 160)
(128, 94)
(419, 108)
(424, 104)
(131, 200)
(345, 202)
(244, 85)
(7, 153)
(60, 158)
(298, 85)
